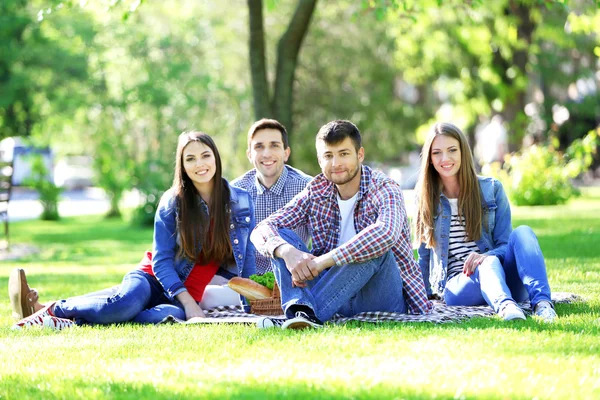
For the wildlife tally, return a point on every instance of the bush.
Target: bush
(152, 178)
(541, 175)
(48, 191)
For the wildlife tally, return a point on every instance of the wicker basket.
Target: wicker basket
(270, 306)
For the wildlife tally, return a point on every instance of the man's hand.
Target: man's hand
(472, 262)
(300, 264)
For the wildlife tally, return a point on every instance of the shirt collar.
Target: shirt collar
(277, 187)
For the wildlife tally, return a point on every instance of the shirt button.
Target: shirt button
(443, 235)
(232, 226)
(487, 249)
(240, 256)
(236, 241)
(247, 219)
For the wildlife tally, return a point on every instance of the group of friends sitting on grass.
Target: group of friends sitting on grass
(208, 230)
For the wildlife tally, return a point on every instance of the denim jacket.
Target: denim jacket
(494, 234)
(171, 271)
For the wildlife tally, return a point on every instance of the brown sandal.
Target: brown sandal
(22, 298)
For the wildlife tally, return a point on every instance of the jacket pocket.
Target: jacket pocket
(242, 220)
(489, 215)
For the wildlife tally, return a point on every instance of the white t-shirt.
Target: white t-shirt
(347, 230)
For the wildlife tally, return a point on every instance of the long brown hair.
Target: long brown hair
(193, 225)
(429, 187)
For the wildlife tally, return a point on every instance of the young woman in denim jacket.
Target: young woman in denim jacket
(201, 229)
(469, 253)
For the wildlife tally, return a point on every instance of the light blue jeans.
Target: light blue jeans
(139, 298)
(521, 277)
(350, 289)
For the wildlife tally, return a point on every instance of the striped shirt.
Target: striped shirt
(459, 247)
(267, 201)
(379, 218)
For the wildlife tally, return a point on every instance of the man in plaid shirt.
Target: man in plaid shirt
(361, 259)
(272, 183)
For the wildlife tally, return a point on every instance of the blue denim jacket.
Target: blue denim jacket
(171, 271)
(494, 235)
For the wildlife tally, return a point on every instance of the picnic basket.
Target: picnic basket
(270, 306)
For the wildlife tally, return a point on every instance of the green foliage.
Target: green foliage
(267, 279)
(112, 160)
(48, 192)
(542, 175)
(43, 64)
(391, 66)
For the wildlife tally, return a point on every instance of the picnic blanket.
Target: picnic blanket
(441, 313)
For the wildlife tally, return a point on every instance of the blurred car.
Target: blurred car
(74, 172)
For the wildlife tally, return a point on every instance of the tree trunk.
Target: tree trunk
(287, 60)
(258, 68)
(514, 111)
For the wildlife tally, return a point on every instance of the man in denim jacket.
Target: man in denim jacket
(361, 259)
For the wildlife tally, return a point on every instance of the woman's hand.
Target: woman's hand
(191, 308)
(472, 262)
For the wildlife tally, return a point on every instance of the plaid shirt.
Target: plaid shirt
(267, 201)
(379, 218)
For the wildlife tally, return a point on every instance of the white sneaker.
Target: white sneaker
(512, 311)
(57, 323)
(35, 318)
(270, 322)
(545, 311)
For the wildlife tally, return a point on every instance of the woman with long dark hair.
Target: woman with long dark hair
(201, 229)
(469, 254)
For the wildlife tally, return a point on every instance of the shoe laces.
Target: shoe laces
(302, 314)
(57, 323)
(35, 319)
(545, 311)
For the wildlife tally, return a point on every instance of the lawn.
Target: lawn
(480, 358)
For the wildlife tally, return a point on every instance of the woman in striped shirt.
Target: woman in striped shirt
(469, 253)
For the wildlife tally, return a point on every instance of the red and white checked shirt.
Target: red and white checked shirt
(379, 218)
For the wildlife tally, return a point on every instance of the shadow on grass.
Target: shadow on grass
(17, 386)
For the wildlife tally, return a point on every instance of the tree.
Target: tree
(38, 68)
(279, 105)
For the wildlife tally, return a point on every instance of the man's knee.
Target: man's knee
(292, 238)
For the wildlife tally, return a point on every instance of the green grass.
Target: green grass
(480, 358)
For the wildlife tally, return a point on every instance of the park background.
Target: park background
(117, 81)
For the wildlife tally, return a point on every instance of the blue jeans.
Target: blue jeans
(374, 285)
(521, 277)
(139, 298)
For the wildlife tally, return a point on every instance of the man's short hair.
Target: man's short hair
(336, 131)
(266, 123)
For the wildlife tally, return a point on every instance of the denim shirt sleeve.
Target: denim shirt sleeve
(502, 223)
(424, 265)
(165, 246)
(250, 259)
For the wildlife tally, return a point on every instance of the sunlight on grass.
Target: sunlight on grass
(479, 358)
